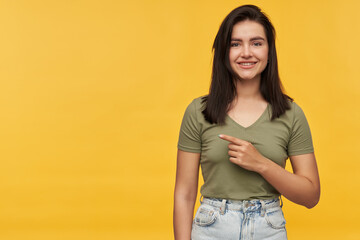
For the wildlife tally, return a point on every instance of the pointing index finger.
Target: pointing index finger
(231, 139)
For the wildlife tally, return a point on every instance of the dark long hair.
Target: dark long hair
(223, 84)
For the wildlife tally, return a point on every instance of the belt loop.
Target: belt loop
(263, 210)
(201, 196)
(281, 202)
(223, 206)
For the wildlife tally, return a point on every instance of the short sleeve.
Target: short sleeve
(300, 138)
(189, 137)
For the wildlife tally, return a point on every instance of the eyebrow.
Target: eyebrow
(251, 39)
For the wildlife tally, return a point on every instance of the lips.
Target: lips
(246, 65)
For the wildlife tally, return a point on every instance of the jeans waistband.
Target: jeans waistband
(243, 205)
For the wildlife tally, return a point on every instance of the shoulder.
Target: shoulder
(194, 111)
(292, 115)
(198, 102)
(196, 105)
(297, 117)
(295, 106)
(295, 110)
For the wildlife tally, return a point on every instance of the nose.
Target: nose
(246, 51)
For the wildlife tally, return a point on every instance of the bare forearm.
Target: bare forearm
(183, 216)
(296, 188)
(187, 173)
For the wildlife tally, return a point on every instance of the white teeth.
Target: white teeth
(247, 64)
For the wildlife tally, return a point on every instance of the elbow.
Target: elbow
(314, 201)
(311, 204)
(314, 197)
(185, 194)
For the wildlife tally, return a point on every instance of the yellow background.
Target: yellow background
(92, 94)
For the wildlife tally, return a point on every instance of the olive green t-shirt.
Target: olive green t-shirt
(285, 136)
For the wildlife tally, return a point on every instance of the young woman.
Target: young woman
(241, 134)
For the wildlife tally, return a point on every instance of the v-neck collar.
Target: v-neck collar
(262, 116)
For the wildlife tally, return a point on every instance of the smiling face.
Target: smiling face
(248, 50)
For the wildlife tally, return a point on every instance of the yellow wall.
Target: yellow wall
(92, 94)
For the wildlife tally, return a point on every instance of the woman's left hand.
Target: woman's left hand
(301, 187)
(244, 154)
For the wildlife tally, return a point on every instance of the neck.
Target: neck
(248, 89)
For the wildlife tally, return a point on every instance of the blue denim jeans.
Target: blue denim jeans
(239, 220)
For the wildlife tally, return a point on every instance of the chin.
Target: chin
(247, 78)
